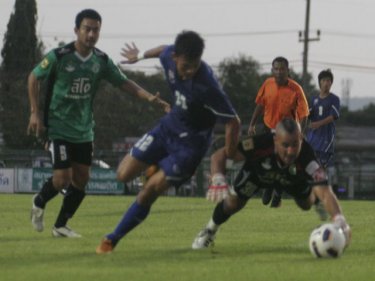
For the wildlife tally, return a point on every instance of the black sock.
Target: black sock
(46, 193)
(219, 215)
(71, 202)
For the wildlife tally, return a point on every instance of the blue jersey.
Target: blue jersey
(198, 102)
(322, 139)
(181, 139)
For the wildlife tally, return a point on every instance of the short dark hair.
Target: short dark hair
(288, 125)
(87, 13)
(282, 60)
(327, 73)
(189, 44)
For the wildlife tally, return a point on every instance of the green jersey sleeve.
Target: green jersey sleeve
(44, 68)
(113, 74)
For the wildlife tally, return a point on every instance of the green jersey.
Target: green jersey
(72, 82)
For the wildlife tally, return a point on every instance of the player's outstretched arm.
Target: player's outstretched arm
(331, 204)
(131, 53)
(218, 189)
(131, 87)
(35, 126)
(232, 134)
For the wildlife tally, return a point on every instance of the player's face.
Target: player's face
(88, 32)
(186, 68)
(325, 85)
(280, 71)
(288, 146)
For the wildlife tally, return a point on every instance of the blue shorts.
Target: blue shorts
(177, 155)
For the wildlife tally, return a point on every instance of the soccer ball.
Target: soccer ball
(327, 241)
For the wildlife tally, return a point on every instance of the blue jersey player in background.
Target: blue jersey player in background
(181, 139)
(324, 111)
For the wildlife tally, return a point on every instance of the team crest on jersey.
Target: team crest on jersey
(248, 144)
(45, 63)
(316, 101)
(266, 164)
(293, 169)
(171, 76)
(95, 68)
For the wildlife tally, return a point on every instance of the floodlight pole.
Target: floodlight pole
(305, 39)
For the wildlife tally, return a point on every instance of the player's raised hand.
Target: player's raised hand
(156, 99)
(130, 53)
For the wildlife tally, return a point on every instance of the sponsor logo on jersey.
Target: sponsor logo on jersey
(81, 86)
(69, 68)
(45, 63)
(63, 51)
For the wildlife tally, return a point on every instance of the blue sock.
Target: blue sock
(134, 216)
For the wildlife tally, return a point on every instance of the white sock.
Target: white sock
(212, 225)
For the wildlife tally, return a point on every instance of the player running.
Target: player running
(324, 111)
(73, 73)
(284, 160)
(181, 139)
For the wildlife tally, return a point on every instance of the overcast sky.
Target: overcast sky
(262, 29)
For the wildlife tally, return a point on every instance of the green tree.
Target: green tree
(118, 115)
(241, 80)
(363, 117)
(21, 51)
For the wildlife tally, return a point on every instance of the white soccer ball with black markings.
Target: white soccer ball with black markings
(327, 241)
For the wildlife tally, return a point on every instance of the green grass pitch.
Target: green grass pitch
(259, 243)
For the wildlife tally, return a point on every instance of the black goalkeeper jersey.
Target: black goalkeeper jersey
(262, 168)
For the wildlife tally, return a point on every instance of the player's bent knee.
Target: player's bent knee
(60, 183)
(233, 204)
(121, 176)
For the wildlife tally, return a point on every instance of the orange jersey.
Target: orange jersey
(282, 101)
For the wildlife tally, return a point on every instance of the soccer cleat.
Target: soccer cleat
(276, 201)
(106, 246)
(204, 239)
(64, 231)
(319, 209)
(37, 216)
(267, 196)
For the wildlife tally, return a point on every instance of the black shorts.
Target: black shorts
(246, 184)
(63, 153)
